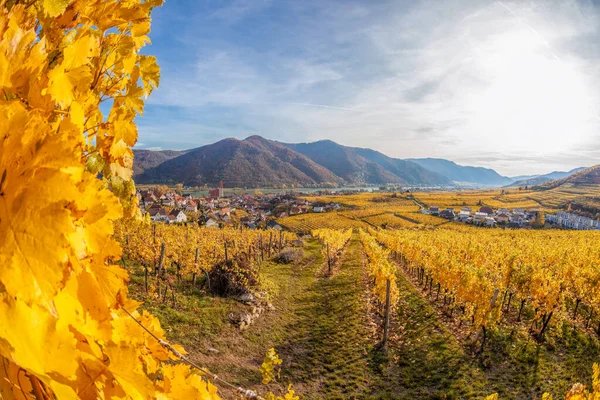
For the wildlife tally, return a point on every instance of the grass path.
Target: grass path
(329, 341)
(426, 361)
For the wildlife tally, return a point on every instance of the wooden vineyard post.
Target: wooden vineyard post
(161, 259)
(146, 278)
(280, 240)
(262, 254)
(483, 333)
(226, 255)
(195, 266)
(154, 244)
(386, 322)
(328, 259)
(270, 242)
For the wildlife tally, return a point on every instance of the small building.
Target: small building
(464, 216)
(318, 209)
(486, 209)
(211, 223)
(503, 218)
(273, 225)
(448, 214)
(434, 210)
(178, 216)
(158, 214)
(479, 217)
(191, 206)
(218, 192)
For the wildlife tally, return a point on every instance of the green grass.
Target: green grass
(327, 342)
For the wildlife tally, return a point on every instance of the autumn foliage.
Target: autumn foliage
(65, 175)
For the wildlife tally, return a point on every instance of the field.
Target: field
(447, 338)
(307, 222)
(369, 201)
(361, 211)
(326, 329)
(548, 200)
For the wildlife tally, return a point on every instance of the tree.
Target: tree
(179, 188)
(540, 219)
(66, 329)
(161, 189)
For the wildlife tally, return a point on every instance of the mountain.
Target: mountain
(259, 162)
(588, 177)
(253, 162)
(146, 159)
(522, 177)
(540, 179)
(463, 174)
(536, 180)
(364, 166)
(560, 174)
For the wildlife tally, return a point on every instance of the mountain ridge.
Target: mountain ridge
(249, 162)
(259, 162)
(540, 179)
(586, 177)
(463, 174)
(358, 165)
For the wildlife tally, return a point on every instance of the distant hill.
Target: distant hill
(259, 162)
(583, 178)
(522, 177)
(540, 179)
(358, 166)
(463, 174)
(253, 162)
(146, 159)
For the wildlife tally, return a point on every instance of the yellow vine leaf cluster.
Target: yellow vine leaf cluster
(63, 333)
(333, 241)
(542, 268)
(380, 268)
(267, 369)
(142, 243)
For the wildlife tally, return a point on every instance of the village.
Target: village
(515, 218)
(487, 216)
(250, 210)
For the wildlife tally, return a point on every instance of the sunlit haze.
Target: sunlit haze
(513, 86)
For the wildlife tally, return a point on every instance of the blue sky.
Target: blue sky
(514, 86)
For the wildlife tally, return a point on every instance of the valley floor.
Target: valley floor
(326, 332)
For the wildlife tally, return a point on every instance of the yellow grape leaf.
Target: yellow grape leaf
(77, 114)
(78, 53)
(33, 257)
(55, 7)
(124, 365)
(61, 86)
(123, 127)
(140, 28)
(43, 347)
(179, 382)
(267, 369)
(150, 73)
